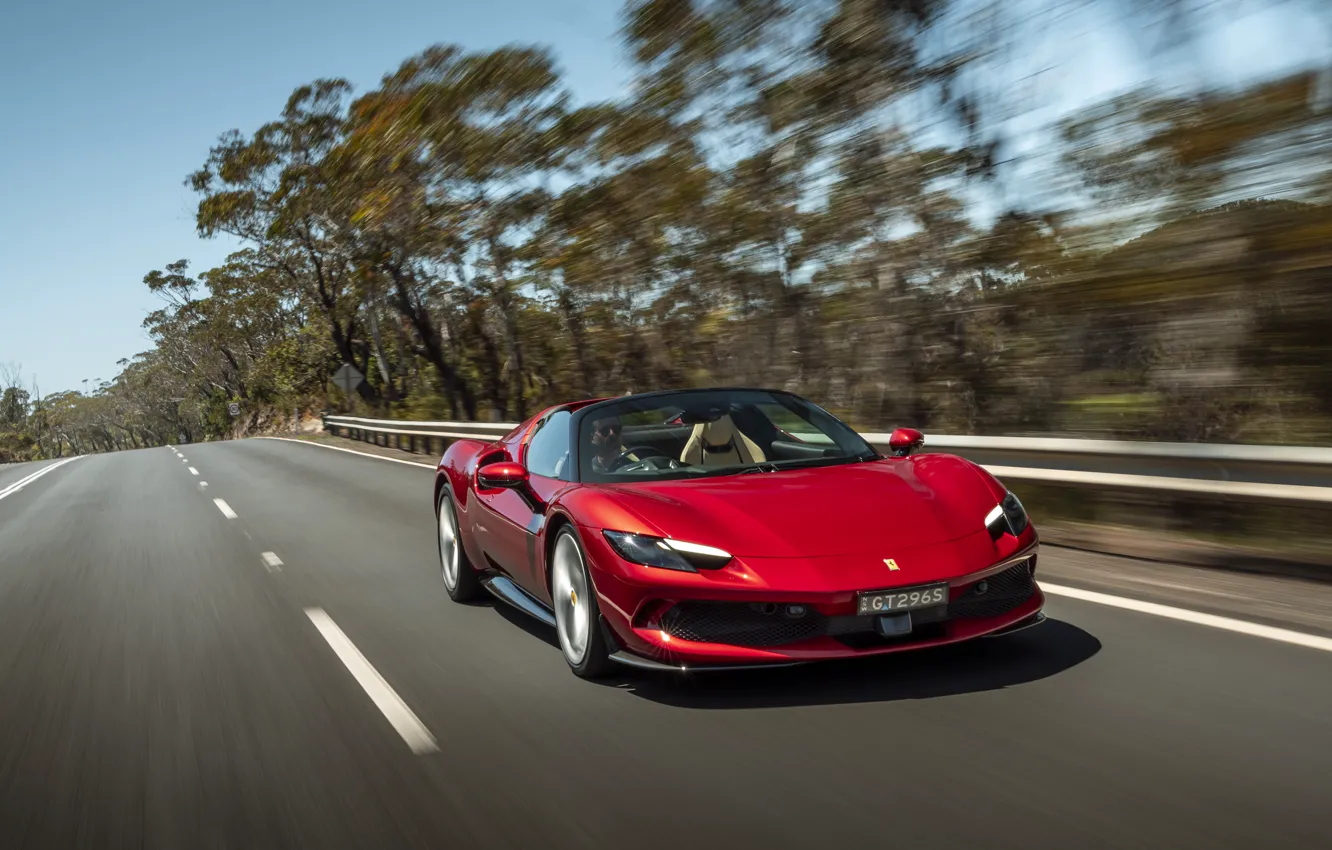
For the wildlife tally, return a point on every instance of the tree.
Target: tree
(274, 192)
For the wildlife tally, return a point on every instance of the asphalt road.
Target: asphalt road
(162, 686)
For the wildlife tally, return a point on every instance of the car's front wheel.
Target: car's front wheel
(577, 615)
(459, 578)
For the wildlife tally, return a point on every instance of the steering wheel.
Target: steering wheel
(621, 458)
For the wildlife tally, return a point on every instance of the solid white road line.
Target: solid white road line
(349, 451)
(1212, 620)
(225, 509)
(409, 726)
(24, 482)
(193, 471)
(272, 561)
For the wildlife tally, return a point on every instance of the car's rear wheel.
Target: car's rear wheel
(459, 578)
(577, 616)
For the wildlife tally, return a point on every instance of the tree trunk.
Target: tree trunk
(455, 387)
(503, 299)
(492, 370)
(380, 359)
(345, 352)
(573, 321)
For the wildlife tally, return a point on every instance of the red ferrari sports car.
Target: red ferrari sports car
(723, 528)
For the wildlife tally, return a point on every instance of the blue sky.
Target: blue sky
(106, 107)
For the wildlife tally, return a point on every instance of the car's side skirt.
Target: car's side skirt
(504, 589)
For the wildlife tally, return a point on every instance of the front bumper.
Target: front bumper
(683, 665)
(685, 624)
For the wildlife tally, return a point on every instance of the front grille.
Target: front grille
(1003, 592)
(741, 624)
(751, 624)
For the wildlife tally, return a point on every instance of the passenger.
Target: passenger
(606, 445)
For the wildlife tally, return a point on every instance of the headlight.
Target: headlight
(664, 553)
(1007, 517)
(1017, 515)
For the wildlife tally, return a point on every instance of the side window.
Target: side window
(791, 422)
(548, 450)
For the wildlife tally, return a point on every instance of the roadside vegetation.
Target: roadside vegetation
(870, 203)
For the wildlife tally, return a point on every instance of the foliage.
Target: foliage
(800, 195)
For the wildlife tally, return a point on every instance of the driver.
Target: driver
(606, 445)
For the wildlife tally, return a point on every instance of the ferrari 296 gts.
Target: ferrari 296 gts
(731, 527)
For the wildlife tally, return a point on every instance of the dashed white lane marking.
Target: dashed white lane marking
(24, 482)
(203, 485)
(225, 509)
(408, 725)
(350, 451)
(272, 561)
(1211, 620)
(193, 471)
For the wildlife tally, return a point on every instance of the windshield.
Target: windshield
(711, 432)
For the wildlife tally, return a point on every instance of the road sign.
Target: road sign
(348, 378)
(233, 409)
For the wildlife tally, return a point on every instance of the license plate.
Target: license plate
(902, 599)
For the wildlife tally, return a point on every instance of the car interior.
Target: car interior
(740, 435)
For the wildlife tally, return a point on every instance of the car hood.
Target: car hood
(833, 510)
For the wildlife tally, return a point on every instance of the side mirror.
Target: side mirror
(503, 475)
(904, 441)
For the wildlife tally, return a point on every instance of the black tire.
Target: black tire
(467, 586)
(595, 662)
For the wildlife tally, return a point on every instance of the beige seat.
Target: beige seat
(720, 443)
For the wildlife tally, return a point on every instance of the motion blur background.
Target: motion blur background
(1102, 218)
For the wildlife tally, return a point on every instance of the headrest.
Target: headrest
(719, 433)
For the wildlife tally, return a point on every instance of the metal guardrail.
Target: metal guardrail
(1280, 474)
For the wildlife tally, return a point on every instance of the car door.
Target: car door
(517, 515)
